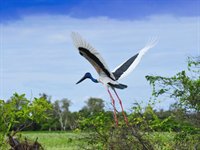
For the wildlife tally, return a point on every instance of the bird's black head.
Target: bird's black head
(87, 75)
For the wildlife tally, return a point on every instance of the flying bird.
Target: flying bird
(108, 78)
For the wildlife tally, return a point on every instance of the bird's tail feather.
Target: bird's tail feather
(118, 86)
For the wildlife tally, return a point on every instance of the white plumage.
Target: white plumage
(141, 53)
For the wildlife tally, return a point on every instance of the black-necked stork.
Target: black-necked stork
(106, 77)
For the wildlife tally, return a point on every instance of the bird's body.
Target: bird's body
(106, 77)
(109, 82)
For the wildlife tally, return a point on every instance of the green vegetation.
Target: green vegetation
(57, 140)
(73, 140)
(19, 113)
(94, 128)
(184, 86)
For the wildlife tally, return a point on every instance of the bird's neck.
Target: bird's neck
(94, 80)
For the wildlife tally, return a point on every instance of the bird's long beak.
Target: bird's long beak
(83, 78)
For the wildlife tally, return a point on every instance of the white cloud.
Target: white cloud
(37, 54)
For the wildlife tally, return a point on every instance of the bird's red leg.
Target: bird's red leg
(113, 103)
(120, 102)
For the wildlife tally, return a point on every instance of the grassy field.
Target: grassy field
(57, 140)
(72, 141)
(75, 141)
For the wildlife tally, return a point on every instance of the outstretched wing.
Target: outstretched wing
(128, 66)
(87, 51)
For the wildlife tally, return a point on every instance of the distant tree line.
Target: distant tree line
(18, 113)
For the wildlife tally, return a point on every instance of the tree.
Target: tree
(19, 113)
(184, 86)
(93, 106)
(61, 111)
(73, 120)
(45, 125)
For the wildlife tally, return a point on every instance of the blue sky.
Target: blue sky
(118, 9)
(37, 54)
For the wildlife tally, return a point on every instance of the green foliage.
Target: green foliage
(38, 109)
(147, 119)
(98, 121)
(103, 134)
(183, 86)
(184, 141)
(19, 113)
(183, 115)
(97, 125)
(93, 106)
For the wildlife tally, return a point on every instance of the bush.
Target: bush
(105, 135)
